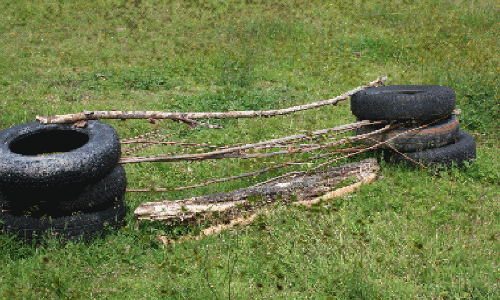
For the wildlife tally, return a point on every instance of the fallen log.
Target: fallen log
(221, 208)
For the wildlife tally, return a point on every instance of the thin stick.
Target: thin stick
(191, 173)
(154, 132)
(280, 165)
(264, 170)
(387, 127)
(224, 153)
(169, 143)
(128, 151)
(399, 152)
(189, 118)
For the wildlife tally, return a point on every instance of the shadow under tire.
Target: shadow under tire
(463, 150)
(403, 102)
(80, 226)
(37, 155)
(435, 135)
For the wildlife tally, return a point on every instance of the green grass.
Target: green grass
(408, 235)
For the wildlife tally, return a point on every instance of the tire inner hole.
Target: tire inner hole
(48, 142)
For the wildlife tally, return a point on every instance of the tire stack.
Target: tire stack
(60, 180)
(441, 143)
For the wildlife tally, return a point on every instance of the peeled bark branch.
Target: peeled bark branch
(189, 118)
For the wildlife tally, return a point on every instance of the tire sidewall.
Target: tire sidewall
(66, 199)
(404, 102)
(78, 226)
(95, 158)
(436, 135)
(464, 149)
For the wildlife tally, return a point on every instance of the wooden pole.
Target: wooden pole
(189, 118)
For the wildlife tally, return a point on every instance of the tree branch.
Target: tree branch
(189, 118)
(231, 152)
(257, 172)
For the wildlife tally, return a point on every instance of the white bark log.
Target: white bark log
(189, 118)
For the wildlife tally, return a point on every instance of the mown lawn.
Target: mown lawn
(410, 234)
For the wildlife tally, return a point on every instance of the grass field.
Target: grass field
(409, 235)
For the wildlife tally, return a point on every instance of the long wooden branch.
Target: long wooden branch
(189, 117)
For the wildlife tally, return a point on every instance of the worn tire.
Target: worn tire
(84, 154)
(436, 135)
(403, 102)
(107, 189)
(73, 197)
(463, 150)
(81, 226)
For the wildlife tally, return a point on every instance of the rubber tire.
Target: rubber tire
(108, 189)
(436, 135)
(57, 201)
(81, 160)
(82, 226)
(403, 102)
(464, 149)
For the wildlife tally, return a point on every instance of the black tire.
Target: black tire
(108, 189)
(403, 102)
(81, 226)
(84, 154)
(436, 135)
(73, 197)
(464, 149)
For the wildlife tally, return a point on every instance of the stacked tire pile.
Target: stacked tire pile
(441, 143)
(60, 180)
